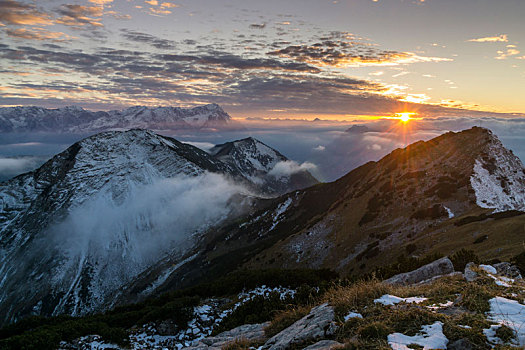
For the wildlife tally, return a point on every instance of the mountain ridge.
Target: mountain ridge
(74, 119)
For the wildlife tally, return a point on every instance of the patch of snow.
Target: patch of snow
(441, 305)
(388, 300)
(502, 188)
(279, 211)
(352, 314)
(509, 313)
(431, 337)
(488, 268)
(450, 213)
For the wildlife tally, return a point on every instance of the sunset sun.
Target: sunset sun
(405, 116)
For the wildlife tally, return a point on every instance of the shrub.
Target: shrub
(505, 333)
(519, 261)
(462, 257)
(374, 330)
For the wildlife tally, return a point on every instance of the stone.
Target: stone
(250, 332)
(439, 267)
(325, 345)
(470, 274)
(508, 270)
(318, 324)
(460, 344)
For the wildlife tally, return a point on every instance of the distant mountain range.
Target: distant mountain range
(121, 216)
(78, 120)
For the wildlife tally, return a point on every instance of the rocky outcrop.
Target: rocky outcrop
(439, 267)
(508, 270)
(249, 332)
(318, 324)
(325, 345)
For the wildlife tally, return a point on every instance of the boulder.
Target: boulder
(318, 324)
(250, 332)
(508, 270)
(470, 274)
(325, 345)
(460, 344)
(439, 267)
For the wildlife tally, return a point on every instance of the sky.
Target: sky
(337, 59)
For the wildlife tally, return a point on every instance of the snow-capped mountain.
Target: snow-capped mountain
(77, 120)
(99, 214)
(459, 190)
(263, 164)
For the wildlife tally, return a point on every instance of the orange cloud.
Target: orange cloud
(37, 34)
(78, 15)
(15, 13)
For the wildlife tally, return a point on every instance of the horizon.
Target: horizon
(338, 59)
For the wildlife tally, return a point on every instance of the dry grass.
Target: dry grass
(284, 319)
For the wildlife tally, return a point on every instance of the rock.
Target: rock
(460, 344)
(439, 267)
(430, 280)
(488, 269)
(508, 270)
(250, 332)
(324, 345)
(470, 274)
(319, 323)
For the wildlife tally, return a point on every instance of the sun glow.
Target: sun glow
(404, 116)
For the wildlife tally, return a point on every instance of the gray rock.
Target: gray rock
(325, 345)
(439, 267)
(460, 344)
(470, 275)
(251, 332)
(430, 280)
(318, 324)
(508, 270)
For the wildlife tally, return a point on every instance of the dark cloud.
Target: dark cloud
(343, 49)
(154, 41)
(258, 25)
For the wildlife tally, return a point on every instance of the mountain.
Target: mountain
(97, 215)
(458, 190)
(122, 216)
(74, 119)
(261, 163)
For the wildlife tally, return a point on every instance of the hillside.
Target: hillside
(426, 198)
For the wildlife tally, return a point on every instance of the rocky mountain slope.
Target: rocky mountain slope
(74, 119)
(457, 190)
(99, 214)
(257, 161)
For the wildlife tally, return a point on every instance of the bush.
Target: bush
(519, 261)
(505, 333)
(258, 310)
(462, 257)
(374, 330)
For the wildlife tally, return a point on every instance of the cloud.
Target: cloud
(79, 16)
(503, 55)
(154, 41)
(17, 13)
(319, 148)
(289, 167)
(37, 34)
(12, 166)
(258, 25)
(341, 49)
(491, 39)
